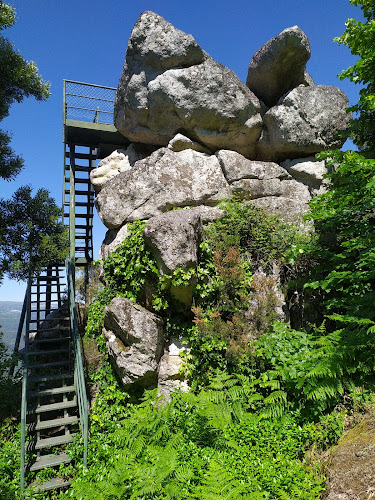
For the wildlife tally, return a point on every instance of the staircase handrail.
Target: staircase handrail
(79, 377)
(18, 336)
(24, 383)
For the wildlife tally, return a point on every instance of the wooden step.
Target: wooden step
(48, 278)
(80, 204)
(84, 204)
(47, 378)
(54, 407)
(79, 168)
(50, 461)
(52, 484)
(83, 226)
(65, 389)
(44, 330)
(54, 318)
(82, 236)
(35, 311)
(81, 249)
(38, 301)
(53, 441)
(49, 424)
(81, 261)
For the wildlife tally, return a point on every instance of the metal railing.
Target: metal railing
(24, 383)
(79, 376)
(88, 102)
(16, 348)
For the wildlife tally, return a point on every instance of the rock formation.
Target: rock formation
(159, 183)
(279, 65)
(306, 121)
(134, 340)
(169, 84)
(198, 135)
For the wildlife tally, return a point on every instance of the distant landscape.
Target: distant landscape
(10, 313)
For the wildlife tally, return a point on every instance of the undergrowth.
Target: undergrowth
(266, 399)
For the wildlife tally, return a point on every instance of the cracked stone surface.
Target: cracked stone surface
(159, 183)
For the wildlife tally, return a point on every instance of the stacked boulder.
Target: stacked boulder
(198, 134)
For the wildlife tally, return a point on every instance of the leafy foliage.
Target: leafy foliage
(131, 268)
(203, 446)
(307, 365)
(359, 36)
(10, 397)
(10, 439)
(262, 237)
(18, 79)
(8, 406)
(345, 222)
(31, 236)
(95, 319)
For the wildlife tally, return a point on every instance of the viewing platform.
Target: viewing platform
(88, 117)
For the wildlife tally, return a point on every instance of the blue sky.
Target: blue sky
(85, 40)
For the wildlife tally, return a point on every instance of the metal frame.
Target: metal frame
(97, 111)
(24, 384)
(95, 135)
(79, 376)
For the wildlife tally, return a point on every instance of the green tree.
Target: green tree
(359, 36)
(30, 235)
(344, 219)
(18, 79)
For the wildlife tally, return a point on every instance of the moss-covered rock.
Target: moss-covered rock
(351, 465)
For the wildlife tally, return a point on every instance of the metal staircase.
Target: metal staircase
(49, 414)
(54, 403)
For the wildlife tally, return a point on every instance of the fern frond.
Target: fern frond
(272, 411)
(184, 474)
(138, 445)
(276, 396)
(325, 391)
(219, 483)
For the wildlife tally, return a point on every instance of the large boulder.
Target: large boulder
(236, 168)
(279, 65)
(159, 183)
(256, 179)
(173, 238)
(305, 122)
(309, 170)
(118, 161)
(288, 208)
(134, 342)
(170, 85)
